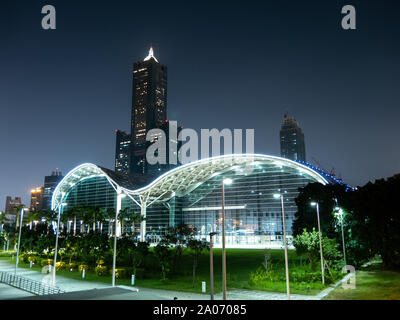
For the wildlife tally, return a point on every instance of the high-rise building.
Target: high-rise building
(292, 140)
(36, 199)
(50, 183)
(149, 107)
(12, 204)
(122, 152)
(11, 209)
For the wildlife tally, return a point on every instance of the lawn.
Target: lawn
(240, 263)
(371, 284)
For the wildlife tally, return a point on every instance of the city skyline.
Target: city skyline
(348, 96)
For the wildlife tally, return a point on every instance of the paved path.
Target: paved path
(9, 292)
(71, 285)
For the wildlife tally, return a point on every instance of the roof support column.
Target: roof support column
(143, 223)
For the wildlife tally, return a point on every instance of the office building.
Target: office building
(292, 140)
(149, 107)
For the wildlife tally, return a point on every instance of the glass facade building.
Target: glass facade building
(192, 194)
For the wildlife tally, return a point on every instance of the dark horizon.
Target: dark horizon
(64, 92)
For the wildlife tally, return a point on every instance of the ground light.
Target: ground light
(280, 196)
(19, 237)
(316, 204)
(226, 181)
(63, 204)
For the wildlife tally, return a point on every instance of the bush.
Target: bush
(120, 273)
(46, 262)
(100, 270)
(72, 266)
(61, 265)
(23, 257)
(34, 259)
(83, 266)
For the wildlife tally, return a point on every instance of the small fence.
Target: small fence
(32, 286)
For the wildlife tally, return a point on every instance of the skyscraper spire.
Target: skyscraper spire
(150, 55)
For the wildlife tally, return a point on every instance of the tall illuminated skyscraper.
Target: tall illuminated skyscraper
(292, 140)
(149, 107)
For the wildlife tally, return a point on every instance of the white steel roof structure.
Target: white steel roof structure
(178, 181)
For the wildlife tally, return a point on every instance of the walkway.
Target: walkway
(71, 285)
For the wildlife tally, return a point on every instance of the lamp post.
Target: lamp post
(56, 246)
(212, 234)
(340, 213)
(117, 209)
(19, 237)
(320, 243)
(277, 196)
(226, 181)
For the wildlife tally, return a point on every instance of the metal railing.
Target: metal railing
(26, 284)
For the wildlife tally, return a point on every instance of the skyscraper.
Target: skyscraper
(36, 199)
(12, 204)
(149, 107)
(50, 183)
(292, 140)
(122, 152)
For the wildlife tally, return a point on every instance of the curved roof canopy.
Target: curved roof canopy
(178, 181)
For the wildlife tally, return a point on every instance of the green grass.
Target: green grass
(240, 263)
(372, 284)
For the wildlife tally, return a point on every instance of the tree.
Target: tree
(306, 215)
(308, 243)
(126, 216)
(374, 222)
(196, 247)
(163, 254)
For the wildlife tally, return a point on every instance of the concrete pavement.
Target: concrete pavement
(105, 291)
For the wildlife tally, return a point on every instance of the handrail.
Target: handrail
(29, 285)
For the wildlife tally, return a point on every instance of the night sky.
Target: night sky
(236, 64)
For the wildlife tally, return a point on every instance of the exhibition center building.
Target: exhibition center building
(249, 184)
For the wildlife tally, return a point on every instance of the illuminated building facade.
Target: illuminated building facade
(191, 194)
(50, 183)
(37, 199)
(292, 140)
(122, 152)
(149, 107)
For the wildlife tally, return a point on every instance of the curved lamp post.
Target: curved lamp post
(280, 196)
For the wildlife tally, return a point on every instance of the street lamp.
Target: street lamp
(212, 234)
(340, 214)
(277, 196)
(19, 237)
(63, 204)
(226, 181)
(117, 209)
(320, 242)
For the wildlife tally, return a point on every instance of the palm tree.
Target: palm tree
(131, 218)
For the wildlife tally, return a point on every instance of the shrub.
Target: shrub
(61, 265)
(72, 266)
(100, 270)
(34, 259)
(120, 273)
(46, 262)
(83, 266)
